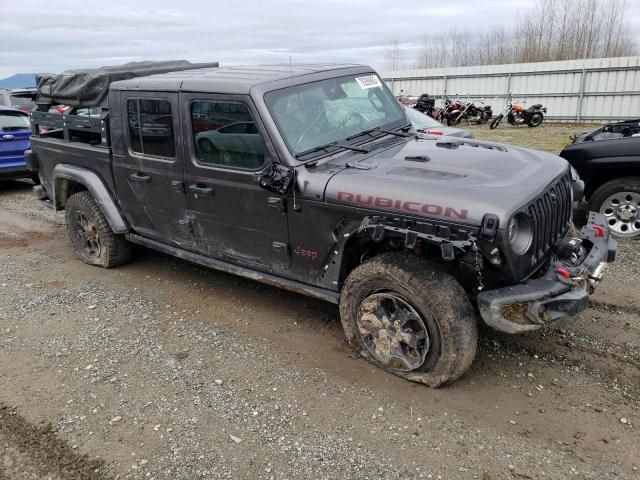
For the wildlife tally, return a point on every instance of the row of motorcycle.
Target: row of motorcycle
(455, 111)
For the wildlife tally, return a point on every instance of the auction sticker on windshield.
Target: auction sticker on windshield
(370, 81)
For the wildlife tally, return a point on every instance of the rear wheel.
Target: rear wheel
(496, 122)
(408, 317)
(91, 236)
(536, 119)
(619, 201)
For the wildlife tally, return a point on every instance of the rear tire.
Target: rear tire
(496, 122)
(536, 119)
(91, 236)
(207, 147)
(424, 298)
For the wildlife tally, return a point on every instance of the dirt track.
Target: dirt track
(158, 368)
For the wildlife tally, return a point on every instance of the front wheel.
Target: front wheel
(496, 122)
(91, 236)
(407, 316)
(619, 201)
(535, 120)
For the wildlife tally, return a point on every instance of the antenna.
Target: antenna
(296, 207)
(290, 70)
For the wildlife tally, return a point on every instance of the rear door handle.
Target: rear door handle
(200, 189)
(139, 177)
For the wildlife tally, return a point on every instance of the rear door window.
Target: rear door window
(150, 124)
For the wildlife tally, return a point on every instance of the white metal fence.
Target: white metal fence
(598, 90)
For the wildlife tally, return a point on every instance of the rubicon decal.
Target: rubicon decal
(415, 208)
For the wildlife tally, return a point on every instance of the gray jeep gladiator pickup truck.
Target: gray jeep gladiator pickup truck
(310, 178)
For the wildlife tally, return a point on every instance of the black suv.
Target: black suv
(311, 178)
(608, 161)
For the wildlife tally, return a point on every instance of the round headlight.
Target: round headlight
(519, 233)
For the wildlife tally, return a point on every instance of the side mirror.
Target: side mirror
(277, 179)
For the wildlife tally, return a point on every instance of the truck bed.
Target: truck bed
(49, 151)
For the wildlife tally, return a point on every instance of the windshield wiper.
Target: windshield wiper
(378, 129)
(332, 144)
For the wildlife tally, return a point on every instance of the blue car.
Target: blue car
(15, 131)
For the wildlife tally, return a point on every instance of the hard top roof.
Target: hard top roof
(233, 80)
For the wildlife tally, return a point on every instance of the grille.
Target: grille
(550, 216)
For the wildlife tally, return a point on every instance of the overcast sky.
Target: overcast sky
(51, 36)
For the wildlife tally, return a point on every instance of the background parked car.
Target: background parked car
(626, 128)
(234, 144)
(608, 160)
(15, 131)
(22, 99)
(425, 124)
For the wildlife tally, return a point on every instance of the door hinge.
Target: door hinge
(186, 224)
(278, 204)
(282, 254)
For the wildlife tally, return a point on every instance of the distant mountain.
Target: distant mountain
(19, 80)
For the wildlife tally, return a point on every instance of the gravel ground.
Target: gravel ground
(164, 370)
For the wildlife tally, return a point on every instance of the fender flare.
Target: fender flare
(96, 187)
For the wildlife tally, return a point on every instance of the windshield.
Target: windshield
(332, 110)
(13, 121)
(420, 121)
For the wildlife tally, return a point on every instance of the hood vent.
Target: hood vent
(424, 173)
(417, 158)
(467, 143)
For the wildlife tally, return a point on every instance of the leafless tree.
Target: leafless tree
(553, 30)
(393, 55)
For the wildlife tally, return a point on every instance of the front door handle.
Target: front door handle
(139, 177)
(200, 189)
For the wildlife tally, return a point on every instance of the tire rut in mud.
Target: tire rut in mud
(613, 364)
(30, 451)
(614, 307)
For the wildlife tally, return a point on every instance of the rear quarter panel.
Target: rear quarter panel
(49, 152)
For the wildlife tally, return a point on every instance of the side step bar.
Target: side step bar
(268, 278)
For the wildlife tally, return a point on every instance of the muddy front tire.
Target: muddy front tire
(407, 316)
(91, 236)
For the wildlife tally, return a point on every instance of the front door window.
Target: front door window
(225, 135)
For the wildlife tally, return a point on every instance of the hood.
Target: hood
(455, 179)
(454, 132)
(626, 128)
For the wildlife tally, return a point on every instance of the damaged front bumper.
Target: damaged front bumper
(564, 289)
